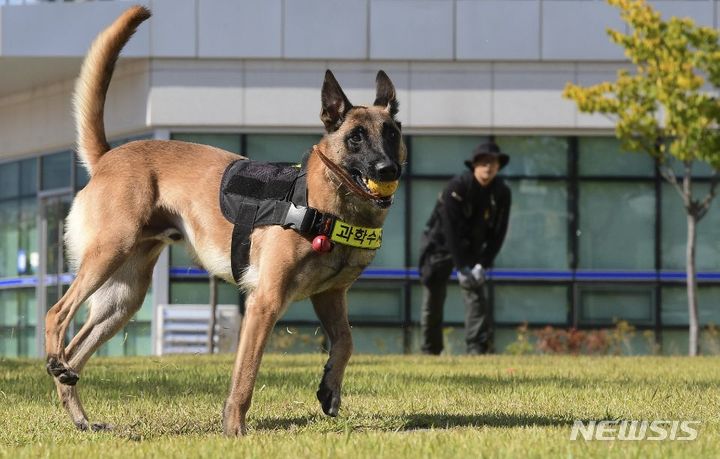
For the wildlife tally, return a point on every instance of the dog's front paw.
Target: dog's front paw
(233, 421)
(329, 400)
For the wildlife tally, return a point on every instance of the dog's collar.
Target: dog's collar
(312, 222)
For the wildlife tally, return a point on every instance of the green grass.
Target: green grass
(393, 406)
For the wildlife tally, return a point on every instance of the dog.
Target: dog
(145, 195)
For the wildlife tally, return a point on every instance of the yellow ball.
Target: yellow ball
(382, 189)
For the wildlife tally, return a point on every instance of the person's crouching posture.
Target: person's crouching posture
(465, 230)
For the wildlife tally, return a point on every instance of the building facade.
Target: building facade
(595, 235)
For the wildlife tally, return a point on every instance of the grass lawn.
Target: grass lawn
(393, 406)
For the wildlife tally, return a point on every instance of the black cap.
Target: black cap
(487, 149)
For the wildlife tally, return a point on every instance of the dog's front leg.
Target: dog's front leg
(261, 313)
(331, 309)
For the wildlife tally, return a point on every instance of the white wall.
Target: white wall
(41, 120)
(463, 30)
(458, 65)
(436, 96)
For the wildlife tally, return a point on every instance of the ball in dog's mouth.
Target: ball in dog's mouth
(382, 189)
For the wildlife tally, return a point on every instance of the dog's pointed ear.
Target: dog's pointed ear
(385, 94)
(334, 103)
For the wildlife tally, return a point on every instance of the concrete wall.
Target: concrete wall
(253, 65)
(433, 96)
(444, 30)
(41, 120)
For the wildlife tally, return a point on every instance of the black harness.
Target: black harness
(254, 194)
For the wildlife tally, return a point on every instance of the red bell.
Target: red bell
(322, 244)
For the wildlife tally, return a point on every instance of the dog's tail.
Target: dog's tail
(92, 85)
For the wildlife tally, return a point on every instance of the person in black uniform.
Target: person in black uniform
(466, 230)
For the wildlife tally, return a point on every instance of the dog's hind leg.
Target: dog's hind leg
(111, 307)
(93, 272)
(331, 309)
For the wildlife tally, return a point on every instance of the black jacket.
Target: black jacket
(469, 222)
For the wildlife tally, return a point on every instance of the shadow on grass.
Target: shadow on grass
(449, 421)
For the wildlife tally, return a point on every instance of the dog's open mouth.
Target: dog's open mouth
(370, 187)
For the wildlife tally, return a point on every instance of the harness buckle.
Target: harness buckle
(295, 217)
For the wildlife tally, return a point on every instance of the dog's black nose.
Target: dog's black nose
(387, 171)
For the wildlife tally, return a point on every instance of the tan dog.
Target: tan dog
(145, 195)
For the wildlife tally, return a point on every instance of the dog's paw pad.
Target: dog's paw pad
(69, 377)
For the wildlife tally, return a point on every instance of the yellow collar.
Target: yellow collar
(356, 236)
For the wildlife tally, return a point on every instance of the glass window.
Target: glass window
(9, 238)
(425, 194)
(698, 168)
(375, 302)
(617, 225)
(392, 251)
(179, 257)
(536, 155)
(198, 292)
(605, 304)
(28, 256)
(56, 170)
(17, 322)
(28, 177)
(290, 148)
(603, 156)
(442, 155)
(674, 308)
(9, 180)
(674, 231)
(300, 310)
(229, 142)
(534, 304)
(538, 231)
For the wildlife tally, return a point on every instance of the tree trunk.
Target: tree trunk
(692, 285)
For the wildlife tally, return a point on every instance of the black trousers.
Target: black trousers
(478, 328)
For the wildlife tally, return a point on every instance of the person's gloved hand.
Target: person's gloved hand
(471, 278)
(478, 272)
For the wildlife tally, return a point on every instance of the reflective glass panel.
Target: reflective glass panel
(535, 155)
(533, 304)
(675, 305)
(617, 225)
(606, 304)
(289, 148)
(538, 232)
(603, 156)
(674, 231)
(9, 180)
(56, 170)
(442, 155)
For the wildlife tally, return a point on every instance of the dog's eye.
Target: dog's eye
(356, 137)
(392, 134)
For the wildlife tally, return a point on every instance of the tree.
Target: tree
(666, 108)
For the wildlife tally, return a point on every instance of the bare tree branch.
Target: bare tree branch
(690, 205)
(669, 175)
